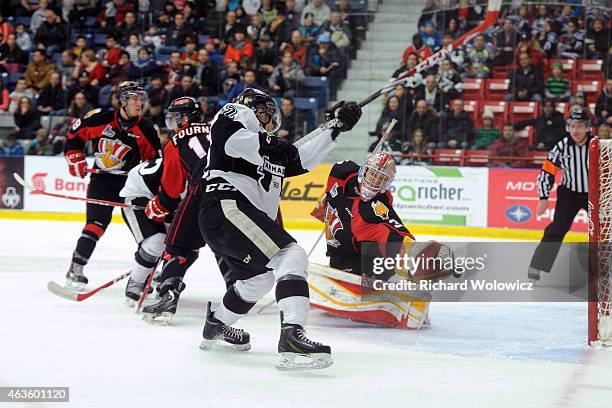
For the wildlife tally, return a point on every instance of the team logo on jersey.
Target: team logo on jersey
(333, 224)
(334, 190)
(111, 154)
(108, 131)
(380, 210)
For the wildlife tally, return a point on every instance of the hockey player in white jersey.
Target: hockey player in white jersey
(242, 186)
(141, 186)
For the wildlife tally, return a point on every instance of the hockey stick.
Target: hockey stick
(69, 197)
(77, 297)
(270, 303)
(493, 8)
(115, 172)
(145, 290)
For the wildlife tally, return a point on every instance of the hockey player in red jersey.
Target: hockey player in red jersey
(360, 227)
(120, 139)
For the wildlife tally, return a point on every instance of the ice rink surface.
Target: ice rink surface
(473, 355)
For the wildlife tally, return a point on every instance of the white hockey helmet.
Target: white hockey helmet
(376, 175)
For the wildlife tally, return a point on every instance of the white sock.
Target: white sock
(226, 316)
(295, 309)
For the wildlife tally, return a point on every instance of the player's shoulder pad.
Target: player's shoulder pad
(239, 113)
(93, 118)
(344, 169)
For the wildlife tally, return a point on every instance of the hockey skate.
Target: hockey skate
(298, 352)
(162, 312)
(133, 290)
(75, 279)
(216, 331)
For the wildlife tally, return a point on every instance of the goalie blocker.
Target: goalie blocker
(361, 226)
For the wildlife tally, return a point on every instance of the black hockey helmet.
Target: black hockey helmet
(261, 104)
(181, 107)
(578, 114)
(130, 88)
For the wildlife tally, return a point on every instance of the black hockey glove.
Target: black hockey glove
(280, 150)
(347, 115)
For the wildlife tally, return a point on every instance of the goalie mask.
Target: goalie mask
(183, 111)
(375, 175)
(264, 107)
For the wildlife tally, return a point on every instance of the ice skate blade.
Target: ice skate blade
(130, 303)
(76, 286)
(220, 345)
(163, 319)
(314, 361)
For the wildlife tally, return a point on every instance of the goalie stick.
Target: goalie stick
(493, 7)
(69, 294)
(30, 187)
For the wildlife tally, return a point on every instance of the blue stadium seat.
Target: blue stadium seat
(99, 40)
(316, 87)
(57, 58)
(308, 106)
(163, 58)
(90, 21)
(13, 77)
(202, 39)
(25, 20)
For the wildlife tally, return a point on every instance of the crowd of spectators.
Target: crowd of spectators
(525, 47)
(62, 58)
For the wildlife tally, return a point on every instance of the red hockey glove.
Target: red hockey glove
(76, 163)
(155, 211)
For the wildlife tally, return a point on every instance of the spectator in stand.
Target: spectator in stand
(309, 30)
(480, 56)
(571, 44)
(469, 15)
(286, 76)
(414, 82)
(40, 146)
(548, 39)
(523, 25)
(418, 146)
(267, 11)
(79, 106)
(298, 48)
(487, 134)
(157, 99)
(144, 66)
(174, 68)
(431, 37)
(293, 14)
(430, 92)
(11, 56)
(340, 33)
(83, 84)
(190, 54)
(325, 60)
(65, 69)
(320, 11)
(549, 126)
(266, 57)
(52, 33)
(505, 44)
(113, 14)
(11, 147)
(457, 128)
(603, 107)
(239, 47)
(175, 37)
(38, 71)
(557, 87)
(532, 48)
(133, 47)
(603, 131)
(80, 46)
(111, 56)
(405, 101)
(5, 29)
(256, 28)
(153, 38)
(52, 98)
(5, 99)
(81, 10)
(96, 73)
(27, 119)
(600, 37)
(39, 16)
(542, 18)
(449, 81)
(187, 87)
(205, 74)
(526, 82)
(509, 145)
(425, 118)
(227, 31)
(393, 110)
(23, 38)
(279, 29)
(241, 16)
(119, 73)
(417, 47)
(248, 81)
(230, 76)
(457, 55)
(291, 127)
(21, 91)
(453, 29)
(128, 27)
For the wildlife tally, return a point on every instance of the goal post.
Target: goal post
(600, 242)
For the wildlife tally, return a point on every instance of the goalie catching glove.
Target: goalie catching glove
(77, 166)
(155, 211)
(342, 117)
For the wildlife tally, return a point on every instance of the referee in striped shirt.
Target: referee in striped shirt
(570, 154)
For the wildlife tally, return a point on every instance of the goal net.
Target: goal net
(600, 238)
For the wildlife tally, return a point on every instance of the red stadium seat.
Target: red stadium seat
(473, 89)
(479, 158)
(470, 107)
(499, 112)
(519, 111)
(591, 70)
(590, 88)
(569, 68)
(563, 107)
(528, 132)
(448, 157)
(496, 89)
(501, 72)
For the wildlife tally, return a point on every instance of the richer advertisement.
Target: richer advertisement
(513, 196)
(454, 196)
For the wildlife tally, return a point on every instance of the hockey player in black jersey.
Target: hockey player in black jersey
(241, 187)
(120, 139)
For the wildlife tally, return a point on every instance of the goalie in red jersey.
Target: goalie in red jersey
(361, 227)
